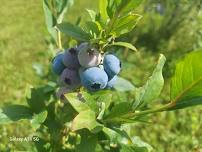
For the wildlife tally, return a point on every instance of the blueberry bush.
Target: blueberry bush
(79, 108)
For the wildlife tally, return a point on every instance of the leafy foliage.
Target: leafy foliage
(152, 89)
(187, 81)
(38, 119)
(76, 103)
(54, 13)
(74, 31)
(125, 24)
(86, 121)
(50, 19)
(114, 19)
(14, 113)
(88, 142)
(123, 85)
(124, 44)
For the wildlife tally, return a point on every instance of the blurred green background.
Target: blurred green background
(171, 27)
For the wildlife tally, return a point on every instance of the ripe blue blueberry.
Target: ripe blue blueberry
(70, 59)
(111, 82)
(57, 64)
(70, 77)
(93, 78)
(112, 65)
(88, 57)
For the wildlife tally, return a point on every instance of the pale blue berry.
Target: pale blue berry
(112, 65)
(93, 78)
(87, 56)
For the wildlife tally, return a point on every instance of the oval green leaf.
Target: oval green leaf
(152, 89)
(123, 85)
(86, 119)
(125, 44)
(73, 31)
(186, 84)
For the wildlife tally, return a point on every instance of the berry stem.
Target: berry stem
(131, 116)
(160, 109)
(59, 41)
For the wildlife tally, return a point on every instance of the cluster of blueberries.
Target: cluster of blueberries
(85, 65)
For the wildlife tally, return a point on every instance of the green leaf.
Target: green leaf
(104, 97)
(90, 101)
(4, 119)
(112, 7)
(136, 145)
(14, 113)
(116, 135)
(92, 28)
(103, 10)
(86, 119)
(130, 148)
(112, 135)
(39, 97)
(125, 24)
(92, 14)
(123, 85)
(186, 84)
(42, 145)
(141, 144)
(119, 110)
(124, 44)
(61, 8)
(78, 21)
(128, 144)
(102, 109)
(118, 8)
(129, 5)
(38, 119)
(152, 89)
(50, 87)
(122, 17)
(126, 148)
(50, 20)
(95, 100)
(73, 31)
(88, 142)
(66, 113)
(77, 104)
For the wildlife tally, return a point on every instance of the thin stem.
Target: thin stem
(59, 41)
(136, 114)
(150, 111)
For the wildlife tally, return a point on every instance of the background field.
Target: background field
(174, 31)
